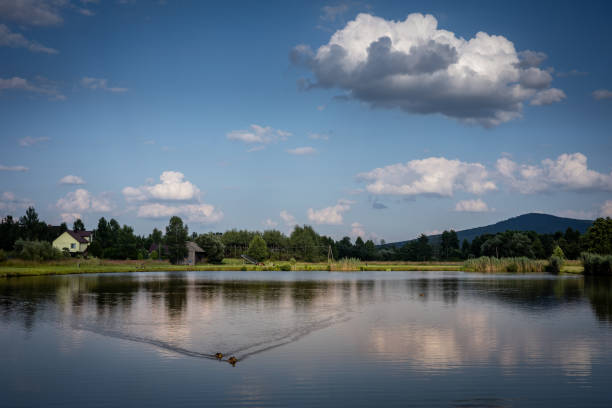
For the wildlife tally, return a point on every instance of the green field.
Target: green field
(22, 268)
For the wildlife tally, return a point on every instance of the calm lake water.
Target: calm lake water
(306, 339)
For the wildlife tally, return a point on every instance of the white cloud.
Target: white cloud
(100, 83)
(357, 230)
(258, 135)
(9, 202)
(602, 94)
(472, 206)
(154, 200)
(13, 168)
(432, 176)
(302, 151)
(268, 223)
(39, 85)
(82, 200)
(199, 213)
(31, 141)
(172, 187)
(606, 209)
(318, 136)
(17, 40)
(70, 179)
(547, 97)
(330, 13)
(330, 215)
(567, 172)
(69, 218)
(32, 12)
(417, 67)
(288, 218)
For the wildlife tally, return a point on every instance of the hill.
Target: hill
(540, 223)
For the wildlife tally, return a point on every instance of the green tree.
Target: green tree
(33, 228)
(598, 238)
(212, 246)
(78, 225)
(258, 250)
(176, 238)
(423, 248)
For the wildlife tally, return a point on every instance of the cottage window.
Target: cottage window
(72, 246)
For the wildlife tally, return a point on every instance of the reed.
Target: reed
(492, 264)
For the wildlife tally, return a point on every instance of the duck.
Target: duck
(219, 355)
(232, 360)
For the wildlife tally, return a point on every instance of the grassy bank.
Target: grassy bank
(14, 268)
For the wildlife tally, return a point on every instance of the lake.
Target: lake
(448, 339)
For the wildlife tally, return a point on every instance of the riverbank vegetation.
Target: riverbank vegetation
(28, 239)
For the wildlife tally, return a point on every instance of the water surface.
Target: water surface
(306, 339)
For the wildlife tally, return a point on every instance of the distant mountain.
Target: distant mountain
(540, 223)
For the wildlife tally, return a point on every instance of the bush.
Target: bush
(558, 252)
(292, 261)
(36, 250)
(285, 267)
(154, 255)
(555, 263)
(596, 264)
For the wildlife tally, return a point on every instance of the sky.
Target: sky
(375, 119)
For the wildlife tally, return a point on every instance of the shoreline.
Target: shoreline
(45, 270)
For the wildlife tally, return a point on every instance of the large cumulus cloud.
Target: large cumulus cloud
(414, 66)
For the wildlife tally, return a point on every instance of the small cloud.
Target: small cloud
(548, 97)
(357, 230)
(302, 151)
(69, 218)
(318, 136)
(9, 202)
(321, 107)
(39, 85)
(257, 134)
(31, 141)
(13, 168)
(87, 12)
(331, 13)
(572, 72)
(11, 39)
(269, 223)
(288, 218)
(256, 148)
(72, 180)
(330, 215)
(472, 206)
(149, 142)
(602, 94)
(100, 83)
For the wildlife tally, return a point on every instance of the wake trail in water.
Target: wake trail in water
(241, 353)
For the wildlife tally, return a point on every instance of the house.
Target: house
(75, 242)
(195, 254)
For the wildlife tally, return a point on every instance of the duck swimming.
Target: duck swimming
(219, 355)
(232, 360)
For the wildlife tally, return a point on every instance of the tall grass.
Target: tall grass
(491, 264)
(347, 264)
(596, 264)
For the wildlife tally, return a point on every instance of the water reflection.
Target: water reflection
(202, 313)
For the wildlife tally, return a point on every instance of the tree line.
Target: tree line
(114, 241)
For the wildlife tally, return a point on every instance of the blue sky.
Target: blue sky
(378, 119)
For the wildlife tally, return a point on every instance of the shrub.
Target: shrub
(244, 268)
(596, 264)
(154, 255)
(285, 267)
(292, 261)
(555, 263)
(36, 250)
(348, 264)
(558, 252)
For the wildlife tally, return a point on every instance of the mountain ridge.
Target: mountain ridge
(538, 222)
